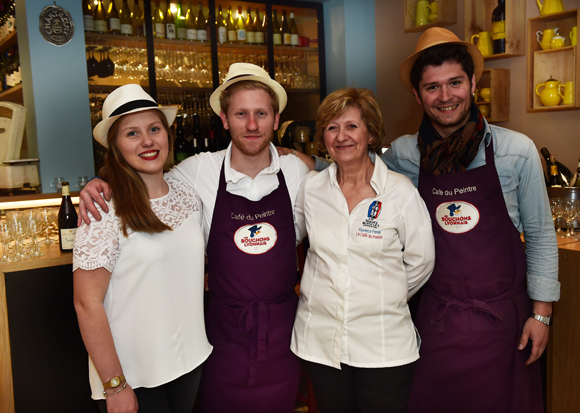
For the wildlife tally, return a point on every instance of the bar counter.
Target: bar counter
(43, 362)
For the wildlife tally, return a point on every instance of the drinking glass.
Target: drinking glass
(17, 228)
(45, 216)
(556, 206)
(5, 238)
(34, 228)
(568, 213)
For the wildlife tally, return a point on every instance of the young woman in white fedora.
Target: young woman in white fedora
(138, 272)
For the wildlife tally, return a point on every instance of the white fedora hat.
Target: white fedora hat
(127, 99)
(246, 71)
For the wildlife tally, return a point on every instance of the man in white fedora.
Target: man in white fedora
(248, 195)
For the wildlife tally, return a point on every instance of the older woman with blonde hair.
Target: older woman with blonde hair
(371, 249)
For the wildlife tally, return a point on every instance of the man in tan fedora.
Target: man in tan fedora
(484, 315)
(248, 195)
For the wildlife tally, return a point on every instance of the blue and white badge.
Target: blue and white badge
(256, 239)
(457, 217)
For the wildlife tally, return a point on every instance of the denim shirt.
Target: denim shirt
(523, 185)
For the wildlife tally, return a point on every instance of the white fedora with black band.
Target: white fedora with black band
(239, 72)
(124, 100)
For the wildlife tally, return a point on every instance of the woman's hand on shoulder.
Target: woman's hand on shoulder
(123, 402)
(308, 160)
(97, 191)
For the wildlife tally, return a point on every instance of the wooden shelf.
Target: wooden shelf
(561, 64)
(446, 16)
(499, 103)
(13, 94)
(478, 19)
(10, 40)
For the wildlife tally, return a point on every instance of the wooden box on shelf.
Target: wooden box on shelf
(446, 15)
(478, 19)
(498, 80)
(561, 64)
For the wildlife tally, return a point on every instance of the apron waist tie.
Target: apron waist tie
(471, 304)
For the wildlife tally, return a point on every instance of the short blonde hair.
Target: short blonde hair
(335, 104)
(226, 96)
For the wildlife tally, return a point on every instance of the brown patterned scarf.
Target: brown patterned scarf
(441, 156)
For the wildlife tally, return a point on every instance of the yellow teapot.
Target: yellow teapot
(551, 95)
(550, 7)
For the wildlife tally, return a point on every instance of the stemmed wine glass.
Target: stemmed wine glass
(5, 238)
(556, 206)
(34, 228)
(45, 216)
(17, 227)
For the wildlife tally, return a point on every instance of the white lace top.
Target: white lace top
(154, 301)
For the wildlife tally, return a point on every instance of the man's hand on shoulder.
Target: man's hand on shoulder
(96, 191)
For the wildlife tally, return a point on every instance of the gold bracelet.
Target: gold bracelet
(105, 394)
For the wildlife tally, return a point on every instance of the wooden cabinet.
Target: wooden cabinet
(498, 80)
(561, 64)
(478, 19)
(14, 94)
(446, 15)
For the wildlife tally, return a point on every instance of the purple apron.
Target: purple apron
(251, 306)
(475, 304)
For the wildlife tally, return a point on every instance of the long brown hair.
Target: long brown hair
(130, 194)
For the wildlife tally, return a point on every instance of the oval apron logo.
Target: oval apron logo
(457, 217)
(256, 238)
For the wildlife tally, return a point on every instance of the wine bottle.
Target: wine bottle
(67, 220)
(197, 135)
(259, 27)
(250, 29)
(169, 24)
(222, 32)
(576, 182)
(555, 180)
(126, 21)
(180, 28)
(286, 35)
(181, 148)
(190, 29)
(498, 27)
(231, 27)
(137, 20)
(201, 25)
(88, 18)
(113, 19)
(158, 21)
(215, 133)
(100, 18)
(294, 38)
(240, 27)
(277, 38)
(563, 171)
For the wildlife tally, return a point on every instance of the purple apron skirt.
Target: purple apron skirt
(252, 303)
(475, 304)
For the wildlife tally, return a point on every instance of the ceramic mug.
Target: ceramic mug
(568, 93)
(483, 43)
(557, 42)
(432, 13)
(547, 36)
(574, 36)
(420, 17)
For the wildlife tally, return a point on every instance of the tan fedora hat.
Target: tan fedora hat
(127, 99)
(433, 37)
(246, 71)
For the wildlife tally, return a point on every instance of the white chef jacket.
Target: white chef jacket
(360, 271)
(202, 172)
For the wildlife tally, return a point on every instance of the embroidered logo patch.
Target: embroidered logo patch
(374, 211)
(256, 239)
(457, 217)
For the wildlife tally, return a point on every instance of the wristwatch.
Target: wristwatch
(546, 320)
(114, 382)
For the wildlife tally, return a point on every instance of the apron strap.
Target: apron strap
(246, 324)
(472, 304)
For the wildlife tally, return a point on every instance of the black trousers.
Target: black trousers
(177, 396)
(362, 390)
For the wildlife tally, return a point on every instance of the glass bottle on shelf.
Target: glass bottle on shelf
(563, 171)
(137, 20)
(169, 24)
(201, 25)
(158, 21)
(222, 32)
(180, 29)
(113, 19)
(294, 38)
(231, 27)
(259, 27)
(277, 37)
(555, 180)
(250, 29)
(498, 28)
(100, 18)
(88, 18)
(182, 148)
(286, 35)
(197, 137)
(191, 30)
(126, 21)
(577, 176)
(241, 27)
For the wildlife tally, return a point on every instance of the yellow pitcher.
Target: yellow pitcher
(568, 93)
(547, 36)
(550, 7)
(483, 43)
(551, 95)
(574, 36)
(432, 13)
(420, 17)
